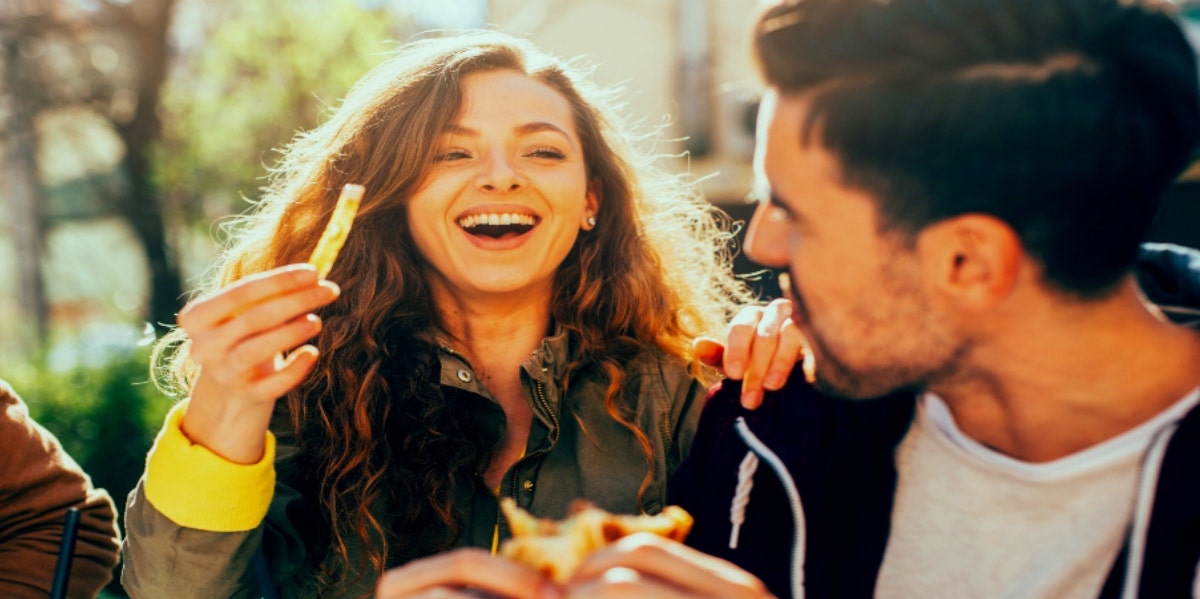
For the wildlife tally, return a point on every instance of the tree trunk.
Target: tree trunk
(144, 207)
(25, 202)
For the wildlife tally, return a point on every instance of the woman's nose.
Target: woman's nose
(497, 174)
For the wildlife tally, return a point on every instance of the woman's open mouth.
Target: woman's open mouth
(504, 225)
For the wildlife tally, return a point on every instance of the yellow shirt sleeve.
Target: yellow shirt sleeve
(199, 489)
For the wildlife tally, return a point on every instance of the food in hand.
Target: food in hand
(557, 548)
(337, 229)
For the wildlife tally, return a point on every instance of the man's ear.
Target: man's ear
(974, 257)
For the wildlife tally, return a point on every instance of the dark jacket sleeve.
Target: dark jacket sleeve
(38, 483)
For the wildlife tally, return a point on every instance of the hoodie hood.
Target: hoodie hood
(1169, 275)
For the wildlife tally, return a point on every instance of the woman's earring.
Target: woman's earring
(591, 221)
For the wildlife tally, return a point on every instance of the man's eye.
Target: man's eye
(546, 152)
(451, 155)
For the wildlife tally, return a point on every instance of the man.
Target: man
(958, 190)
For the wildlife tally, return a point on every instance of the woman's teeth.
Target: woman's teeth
(475, 220)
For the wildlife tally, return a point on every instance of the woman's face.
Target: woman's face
(508, 192)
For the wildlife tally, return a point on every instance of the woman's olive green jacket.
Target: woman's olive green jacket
(575, 450)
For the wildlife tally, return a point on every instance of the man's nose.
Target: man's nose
(766, 237)
(498, 174)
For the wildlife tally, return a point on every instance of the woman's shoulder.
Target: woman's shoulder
(654, 368)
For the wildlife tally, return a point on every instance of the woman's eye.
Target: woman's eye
(546, 152)
(451, 155)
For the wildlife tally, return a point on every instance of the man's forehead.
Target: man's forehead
(778, 131)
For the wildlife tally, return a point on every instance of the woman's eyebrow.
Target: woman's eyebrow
(538, 126)
(523, 129)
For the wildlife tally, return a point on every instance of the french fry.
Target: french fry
(337, 229)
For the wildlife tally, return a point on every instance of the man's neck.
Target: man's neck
(1057, 378)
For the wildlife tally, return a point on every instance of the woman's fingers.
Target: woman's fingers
(459, 570)
(765, 344)
(709, 351)
(644, 563)
(232, 326)
(212, 310)
(622, 583)
(788, 352)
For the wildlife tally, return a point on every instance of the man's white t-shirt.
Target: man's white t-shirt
(971, 522)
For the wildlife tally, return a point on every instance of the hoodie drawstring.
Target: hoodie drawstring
(1147, 482)
(737, 511)
(789, 486)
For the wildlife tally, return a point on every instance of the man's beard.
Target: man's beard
(833, 376)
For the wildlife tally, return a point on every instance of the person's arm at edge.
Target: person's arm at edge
(39, 481)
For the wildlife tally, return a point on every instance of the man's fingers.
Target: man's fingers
(461, 569)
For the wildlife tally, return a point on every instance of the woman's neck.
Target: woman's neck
(496, 333)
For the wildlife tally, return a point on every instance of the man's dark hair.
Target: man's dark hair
(1067, 119)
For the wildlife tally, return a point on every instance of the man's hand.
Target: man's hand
(647, 565)
(465, 573)
(762, 346)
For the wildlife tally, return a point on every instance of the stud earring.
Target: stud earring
(591, 221)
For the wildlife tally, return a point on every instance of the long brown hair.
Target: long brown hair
(370, 421)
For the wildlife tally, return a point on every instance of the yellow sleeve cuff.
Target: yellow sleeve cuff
(199, 489)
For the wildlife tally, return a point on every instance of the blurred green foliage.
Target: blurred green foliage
(266, 70)
(105, 416)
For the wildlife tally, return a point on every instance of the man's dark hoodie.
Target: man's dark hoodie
(817, 517)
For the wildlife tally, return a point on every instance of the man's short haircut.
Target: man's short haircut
(1067, 119)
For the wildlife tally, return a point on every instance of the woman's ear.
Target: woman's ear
(591, 204)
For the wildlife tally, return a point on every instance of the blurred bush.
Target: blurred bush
(105, 416)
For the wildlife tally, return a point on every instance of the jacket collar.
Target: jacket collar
(547, 364)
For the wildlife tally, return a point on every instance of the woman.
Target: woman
(514, 310)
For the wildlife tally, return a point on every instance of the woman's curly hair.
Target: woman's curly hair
(370, 421)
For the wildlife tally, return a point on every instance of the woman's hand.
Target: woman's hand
(647, 565)
(465, 573)
(239, 337)
(761, 348)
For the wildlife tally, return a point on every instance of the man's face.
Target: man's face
(861, 298)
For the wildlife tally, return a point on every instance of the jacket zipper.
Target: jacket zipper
(540, 391)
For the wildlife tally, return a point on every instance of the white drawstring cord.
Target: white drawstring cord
(741, 497)
(1151, 466)
(1182, 311)
(793, 495)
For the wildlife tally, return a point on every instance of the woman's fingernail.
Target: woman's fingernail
(733, 370)
(774, 381)
(751, 399)
(549, 590)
